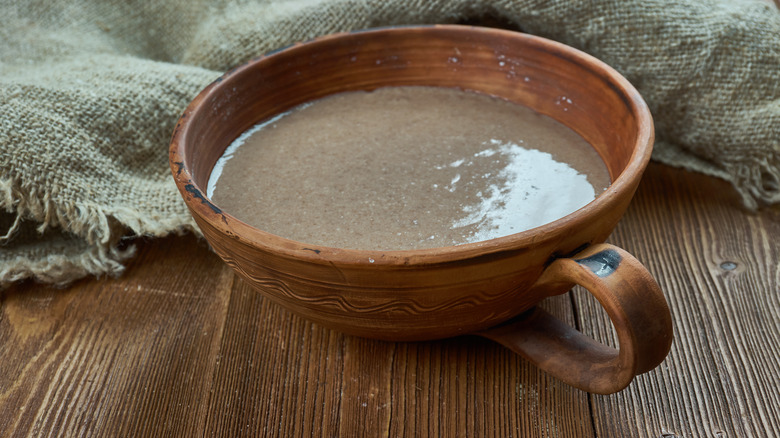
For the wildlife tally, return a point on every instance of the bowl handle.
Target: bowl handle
(631, 298)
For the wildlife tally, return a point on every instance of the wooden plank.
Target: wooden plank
(366, 401)
(277, 375)
(114, 357)
(719, 268)
(469, 386)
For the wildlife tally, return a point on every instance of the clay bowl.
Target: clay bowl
(475, 288)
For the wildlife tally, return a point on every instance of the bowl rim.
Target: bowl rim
(624, 185)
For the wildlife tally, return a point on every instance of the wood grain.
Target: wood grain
(276, 374)
(178, 346)
(719, 267)
(121, 356)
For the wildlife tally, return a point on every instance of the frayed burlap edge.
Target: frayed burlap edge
(757, 182)
(87, 236)
(62, 269)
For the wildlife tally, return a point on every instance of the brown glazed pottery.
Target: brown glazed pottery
(486, 288)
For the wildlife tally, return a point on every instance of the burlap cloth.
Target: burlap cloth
(90, 91)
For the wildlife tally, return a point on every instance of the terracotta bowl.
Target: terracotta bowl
(487, 288)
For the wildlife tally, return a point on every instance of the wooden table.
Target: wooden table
(179, 346)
